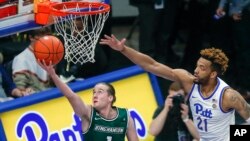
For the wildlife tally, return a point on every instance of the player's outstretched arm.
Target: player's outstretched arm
(76, 102)
(146, 62)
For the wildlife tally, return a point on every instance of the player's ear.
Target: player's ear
(213, 74)
(111, 98)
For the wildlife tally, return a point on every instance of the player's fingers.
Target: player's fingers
(113, 37)
(104, 41)
(123, 41)
(39, 61)
(107, 37)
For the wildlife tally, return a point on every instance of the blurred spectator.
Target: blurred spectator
(25, 70)
(239, 11)
(221, 36)
(157, 24)
(171, 121)
(158, 30)
(197, 27)
(12, 45)
(8, 88)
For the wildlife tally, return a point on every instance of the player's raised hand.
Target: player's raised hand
(113, 42)
(49, 68)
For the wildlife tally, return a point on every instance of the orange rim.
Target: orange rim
(56, 9)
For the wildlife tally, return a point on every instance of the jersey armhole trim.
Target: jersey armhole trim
(90, 123)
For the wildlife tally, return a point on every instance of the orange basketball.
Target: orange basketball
(49, 48)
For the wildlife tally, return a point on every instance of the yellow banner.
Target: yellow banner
(54, 118)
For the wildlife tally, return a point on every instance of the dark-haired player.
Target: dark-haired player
(213, 102)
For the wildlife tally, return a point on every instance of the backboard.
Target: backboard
(18, 15)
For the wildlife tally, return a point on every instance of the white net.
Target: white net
(80, 32)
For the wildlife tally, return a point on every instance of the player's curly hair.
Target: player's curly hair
(217, 57)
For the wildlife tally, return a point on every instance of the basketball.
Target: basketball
(49, 48)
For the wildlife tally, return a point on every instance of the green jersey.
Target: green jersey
(102, 129)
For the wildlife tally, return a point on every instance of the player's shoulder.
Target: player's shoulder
(230, 91)
(230, 94)
(185, 78)
(232, 98)
(23, 56)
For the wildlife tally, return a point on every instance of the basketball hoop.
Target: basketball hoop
(80, 25)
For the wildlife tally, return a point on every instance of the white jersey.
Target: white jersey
(211, 121)
(26, 61)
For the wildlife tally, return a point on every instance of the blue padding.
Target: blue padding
(79, 86)
(107, 1)
(21, 27)
(2, 134)
(156, 89)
